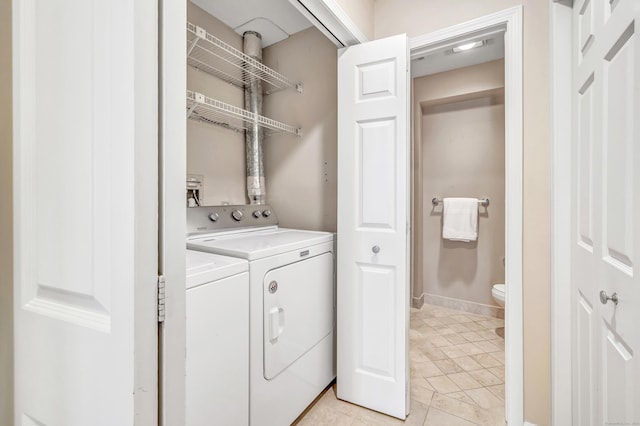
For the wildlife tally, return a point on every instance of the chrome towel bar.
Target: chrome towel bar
(482, 201)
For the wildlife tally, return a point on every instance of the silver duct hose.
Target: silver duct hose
(254, 134)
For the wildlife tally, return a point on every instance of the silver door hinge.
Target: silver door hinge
(161, 298)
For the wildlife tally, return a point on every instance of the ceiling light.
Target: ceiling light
(468, 46)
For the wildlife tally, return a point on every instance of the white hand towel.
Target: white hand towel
(460, 219)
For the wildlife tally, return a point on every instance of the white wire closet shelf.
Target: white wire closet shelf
(213, 111)
(212, 55)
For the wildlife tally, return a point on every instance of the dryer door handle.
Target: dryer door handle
(277, 323)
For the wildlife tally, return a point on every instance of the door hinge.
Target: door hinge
(161, 297)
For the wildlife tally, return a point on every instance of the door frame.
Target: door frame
(509, 21)
(560, 40)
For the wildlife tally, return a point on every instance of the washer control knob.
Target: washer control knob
(237, 215)
(214, 217)
(266, 213)
(257, 214)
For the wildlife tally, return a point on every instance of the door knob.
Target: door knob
(604, 298)
(375, 249)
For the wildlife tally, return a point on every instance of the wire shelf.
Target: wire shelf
(211, 55)
(213, 111)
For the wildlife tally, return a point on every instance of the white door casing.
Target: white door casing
(605, 241)
(85, 209)
(373, 213)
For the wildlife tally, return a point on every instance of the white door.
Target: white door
(605, 212)
(85, 209)
(373, 217)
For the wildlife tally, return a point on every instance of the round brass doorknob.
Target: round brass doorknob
(604, 298)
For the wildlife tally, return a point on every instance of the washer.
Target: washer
(217, 334)
(291, 304)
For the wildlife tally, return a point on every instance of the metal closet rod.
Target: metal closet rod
(482, 201)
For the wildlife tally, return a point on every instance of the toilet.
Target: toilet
(498, 294)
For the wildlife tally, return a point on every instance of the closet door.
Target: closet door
(85, 209)
(373, 217)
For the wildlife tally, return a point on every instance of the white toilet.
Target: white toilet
(498, 294)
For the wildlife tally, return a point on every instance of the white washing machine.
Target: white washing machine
(217, 359)
(291, 304)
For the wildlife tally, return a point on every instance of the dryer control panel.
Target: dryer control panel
(218, 218)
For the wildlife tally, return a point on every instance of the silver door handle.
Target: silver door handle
(604, 298)
(375, 249)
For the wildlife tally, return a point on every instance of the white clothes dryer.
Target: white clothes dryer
(291, 303)
(217, 334)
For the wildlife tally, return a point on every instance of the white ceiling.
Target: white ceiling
(275, 20)
(443, 58)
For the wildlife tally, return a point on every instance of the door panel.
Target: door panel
(607, 195)
(373, 169)
(85, 212)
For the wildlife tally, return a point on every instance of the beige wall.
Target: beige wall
(361, 12)
(417, 17)
(301, 173)
(212, 151)
(6, 220)
(461, 116)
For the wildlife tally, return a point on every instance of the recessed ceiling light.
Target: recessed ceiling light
(468, 46)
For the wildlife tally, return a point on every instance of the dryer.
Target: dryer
(291, 304)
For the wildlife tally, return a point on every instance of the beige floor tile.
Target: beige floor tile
(373, 418)
(437, 417)
(453, 351)
(447, 320)
(439, 341)
(448, 366)
(435, 354)
(499, 355)
(416, 355)
(459, 328)
(467, 363)
(464, 381)
(474, 326)
(488, 334)
(486, 360)
(488, 346)
(461, 396)
(442, 384)
(426, 369)
(446, 330)
(485, 377)
(497, 371)
(421, 394)
(455, 339)
(433, 322)
(473, 336)
(499, 342)
(497, 390)
(417, 415)
(470, 349)
(469, 412)
(460, 319)
(422, 382)
(484, 398)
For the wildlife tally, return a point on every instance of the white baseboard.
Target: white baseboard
(458, 304)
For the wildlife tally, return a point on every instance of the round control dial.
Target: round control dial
(214, 217)
(266, 213)
(237, 215)
(257, 214)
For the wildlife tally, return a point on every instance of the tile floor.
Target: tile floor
(457, 375)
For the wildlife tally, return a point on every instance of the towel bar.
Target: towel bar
(482, 201)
